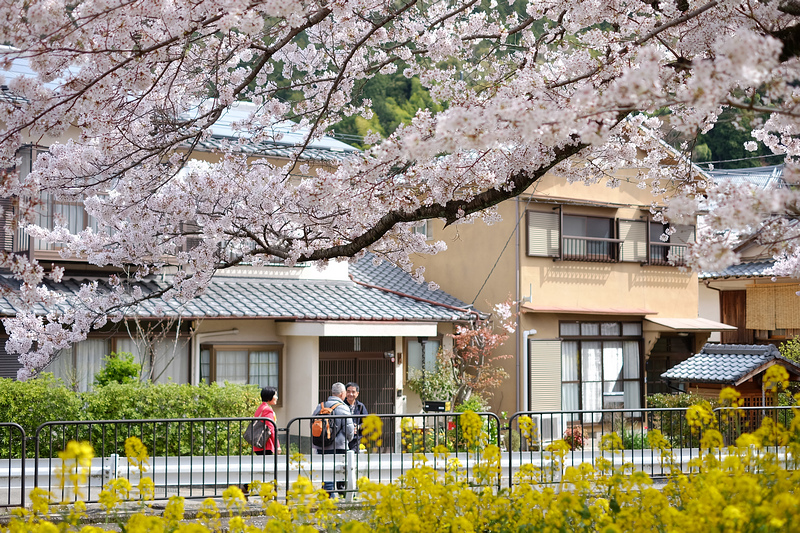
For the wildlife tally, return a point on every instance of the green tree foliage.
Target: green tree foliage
(726, 142)
(119, 368)
(395, 100)
(791, 349)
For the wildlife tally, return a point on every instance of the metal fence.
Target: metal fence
(12, 448)
(200, 458)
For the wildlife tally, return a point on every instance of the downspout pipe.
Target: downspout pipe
(197, 340)
(525, 366)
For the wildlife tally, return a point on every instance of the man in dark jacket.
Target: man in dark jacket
(344, 428)
(356, 408)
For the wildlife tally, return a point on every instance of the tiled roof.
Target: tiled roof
(383, 274)
(287, 138)
(303, 299)
(744, 270)
(761, 177)
(724, 363)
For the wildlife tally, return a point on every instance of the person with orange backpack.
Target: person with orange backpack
(331, 435)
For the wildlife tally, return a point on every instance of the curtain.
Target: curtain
(232, 366)
(171, 361)
(140, 356)
(631, 371)
(89, 356)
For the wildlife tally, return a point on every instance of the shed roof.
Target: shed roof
(729, 364)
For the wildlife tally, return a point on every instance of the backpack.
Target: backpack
(324, 428)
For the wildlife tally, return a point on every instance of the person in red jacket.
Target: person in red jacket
(269, 397)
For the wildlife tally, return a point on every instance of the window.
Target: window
(260, 365)
(424, 227)
(572, 237)
(589, 239)
(162, 360)
(78, 364)
(600, 365)
(422, 354)
(71, 214)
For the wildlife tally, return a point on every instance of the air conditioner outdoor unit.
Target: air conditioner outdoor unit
(548, 427)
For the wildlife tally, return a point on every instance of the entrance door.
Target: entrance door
(375, 378)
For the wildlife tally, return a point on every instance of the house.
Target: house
(297, 328)
(764, 308)
(741, 366)
(605, 307)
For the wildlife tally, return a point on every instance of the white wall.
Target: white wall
(708, 307)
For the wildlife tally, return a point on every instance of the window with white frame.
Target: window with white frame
(600, 365)
(259, 364)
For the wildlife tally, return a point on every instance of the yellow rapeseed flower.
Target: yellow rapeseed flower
(137, 454)
(471, 428)
(147, 489)
(76, 460)
(40, 501)
(234, 499)
(173, 512)
(776, 378)
(208, 515)
(372, 430)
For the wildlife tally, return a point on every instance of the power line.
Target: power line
(740, 159)
(513, 231)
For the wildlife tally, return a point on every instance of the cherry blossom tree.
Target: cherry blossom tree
(123, 93)
(473, 360)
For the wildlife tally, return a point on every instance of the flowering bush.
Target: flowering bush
(573, 436)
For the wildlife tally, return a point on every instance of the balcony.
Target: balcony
(667, 254)
(595, 249)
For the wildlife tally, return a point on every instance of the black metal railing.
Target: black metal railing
(12, 460)
(667, 254)
(590, 249)
(200, 458)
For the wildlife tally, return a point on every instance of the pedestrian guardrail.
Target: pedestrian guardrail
(200, 458)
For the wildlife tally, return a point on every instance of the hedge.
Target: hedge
(45, 399)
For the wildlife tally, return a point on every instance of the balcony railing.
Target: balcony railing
(667, 254)
(591, 249)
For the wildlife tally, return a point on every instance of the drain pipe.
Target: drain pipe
(198, 339)
(525, 367)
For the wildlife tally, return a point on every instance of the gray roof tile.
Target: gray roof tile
(724, 363)
(748, 270)
(397, 299)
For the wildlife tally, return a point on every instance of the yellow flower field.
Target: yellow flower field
(750, 490)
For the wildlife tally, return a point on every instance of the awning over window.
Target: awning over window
(528, 307)
(685, 324)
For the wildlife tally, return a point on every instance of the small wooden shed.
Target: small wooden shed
(740, 366)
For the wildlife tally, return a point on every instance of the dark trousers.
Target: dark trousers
(329, 486)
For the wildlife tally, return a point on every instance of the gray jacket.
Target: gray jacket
(346, 429)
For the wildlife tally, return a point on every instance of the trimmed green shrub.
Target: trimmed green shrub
(31, 403)
(120, 368)
(45, 399)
